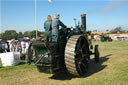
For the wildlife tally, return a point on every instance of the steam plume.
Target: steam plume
(112, 5)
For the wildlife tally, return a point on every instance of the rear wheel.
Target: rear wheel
(76, 55)
(31, 54)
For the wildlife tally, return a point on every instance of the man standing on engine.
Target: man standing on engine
(48, 28)
(55, 27)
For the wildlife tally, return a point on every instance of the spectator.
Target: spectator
(12, 45)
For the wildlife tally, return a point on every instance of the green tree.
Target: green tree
(117, 29)
(20, 35)
(107, 30)
(27, 34)
(33, 34)
(9, 34)
(89, 32)
(0, 35)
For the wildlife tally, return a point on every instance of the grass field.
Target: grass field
(112, 70)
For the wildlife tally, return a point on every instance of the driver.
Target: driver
(55, 27)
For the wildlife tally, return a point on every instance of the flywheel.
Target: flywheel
(77, 55)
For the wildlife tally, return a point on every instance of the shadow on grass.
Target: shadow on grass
(64, 75)
(22, 62)
(96, 67)
(93, 68)
(1, 67)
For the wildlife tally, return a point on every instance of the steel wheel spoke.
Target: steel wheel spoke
(83, 64)
(79, 68)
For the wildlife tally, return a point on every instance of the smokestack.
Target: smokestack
(83, 21)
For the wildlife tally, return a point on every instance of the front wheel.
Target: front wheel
(97, 54)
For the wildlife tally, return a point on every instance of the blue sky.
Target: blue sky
(19, 15)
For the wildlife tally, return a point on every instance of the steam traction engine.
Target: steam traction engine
(71, 52)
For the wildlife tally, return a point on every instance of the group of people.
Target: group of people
(52, 28)
(14, 46)
(19, 46)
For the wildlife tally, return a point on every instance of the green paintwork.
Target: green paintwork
(42, 50)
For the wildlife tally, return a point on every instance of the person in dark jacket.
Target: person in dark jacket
(48, 28)
(55, 28)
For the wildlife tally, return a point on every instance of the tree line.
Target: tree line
(12, 34)
(115, 30)
(118, 30)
